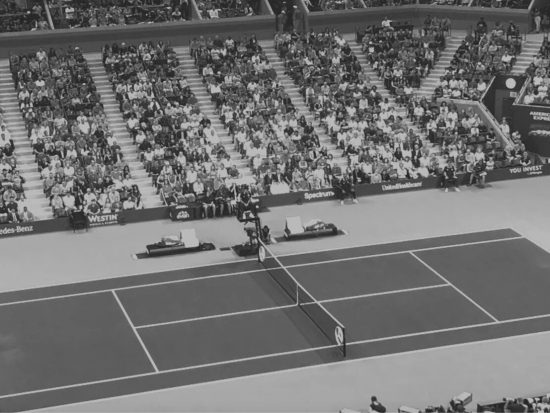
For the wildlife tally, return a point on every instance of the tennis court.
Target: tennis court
(72, 343)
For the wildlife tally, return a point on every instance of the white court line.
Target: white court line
(222, 263)
(136, 333)
(206, 277)
(291, 254)
(282, 307)
(210, 317)
(311, 349)
(386, 254)
(55, 297)
(458, 290)
(297, 369)
(137, 274)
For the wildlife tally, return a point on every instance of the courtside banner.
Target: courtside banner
(516, 172)
(36, 227)
(319, 195)
(181, 213)
(101, 220)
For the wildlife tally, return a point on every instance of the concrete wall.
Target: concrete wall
(91, 39)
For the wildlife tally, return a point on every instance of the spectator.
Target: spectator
(450, 177)
(27, 17)
(89, 13)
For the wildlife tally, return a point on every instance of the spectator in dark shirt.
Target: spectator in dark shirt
(449, 176)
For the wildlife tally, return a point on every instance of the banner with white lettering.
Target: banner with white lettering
(14, 229)
(100, 220)
(538, 135)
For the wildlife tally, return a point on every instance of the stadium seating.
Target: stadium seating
(367, 128)
(180, 149)
(283, 149)
(400, 57)
(215, 9)
(516, 4)
(94, 13)
(539, 71)
(80, 161)
(481, 55)
(12, 194)
(15, 18)
(323, 5)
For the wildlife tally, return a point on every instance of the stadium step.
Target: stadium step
(299, 103)
(26, 162)
(529, 49)
(118, 127)
(428, 84)
(207, 107)
(374, 80)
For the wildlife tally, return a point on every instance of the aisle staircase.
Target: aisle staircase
(529, 48)
(430, 82)
(118, 127)
(299, 103)
(208, 108)
(36, 201)
(427, 84)
(385, 93)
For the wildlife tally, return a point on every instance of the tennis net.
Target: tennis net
(333, 329)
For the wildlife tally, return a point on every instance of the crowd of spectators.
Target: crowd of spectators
(367, 128)
(465, 140)
(97, 13)
(79, 159)
(177, 144)
(481, 56)
(398, 56)
(516, 4)
(15, 18)
(456, 405)
(382, 3)
(282, 148)
(12, 193)
(319, 5)
(372, 136)
(215, 9)
(538, 71)
(539, 404)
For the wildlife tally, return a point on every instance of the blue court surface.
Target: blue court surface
(86, 341)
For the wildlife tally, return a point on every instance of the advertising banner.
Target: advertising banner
(101, 220)
(185, 212)
(518, 172)
(16, 229)
(533, 123)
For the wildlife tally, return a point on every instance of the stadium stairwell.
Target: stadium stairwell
(430, 82)
(118, 127)
(26, 162)
(529, 48)
(299, 103)
(207, 107)
(401, 111)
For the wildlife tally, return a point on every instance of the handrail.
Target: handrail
(492, 122)
(48, 14)
(267, 6)
(487, 89)
(495, 124)
(521, 94)
(195, 9)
